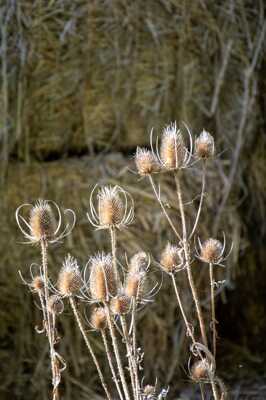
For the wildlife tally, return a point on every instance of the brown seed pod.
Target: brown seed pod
(37, 284)
(173, 150)
(200, 370)
(133, 285)
(211, 251)
(42, 221)
(146, 162)
(171, 258)
(110, 206)
(69, 279)
(204, 145)
(98, 319)
(55, 305)
(120, 304)
(102, 277)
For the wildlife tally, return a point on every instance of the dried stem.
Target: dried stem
(110, 361)
(85, 337)
(213, 323)
(114, 248)
(116, 352)
(201, 200)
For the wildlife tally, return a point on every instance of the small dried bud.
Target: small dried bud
(102, 277)
(173, 150)
(55, 305)
(211, 251)
(146, 162)
(42, 221)
(200, 370)
(138, 262)
(69, 280)
(171, 258)
(149, 390)
(204, 145)
(110, 206)
(120, 304)
(37, 284)
(133, 284)
(98, 319)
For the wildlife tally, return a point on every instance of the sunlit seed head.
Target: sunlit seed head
(120, 304)
(138, 262)
(55, 305)
(133, 285)
(173, 150)
(98, 319)
(170, 258)
(42, 221)
(204, 145)
(146, 162)
(69, 279)
(102, 277)
(37, 284)
(200, 370)
(149, 390)
(110, 206)
(211, 251)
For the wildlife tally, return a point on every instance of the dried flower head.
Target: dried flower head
(120, 304)
(69, 279)
(171, 258)
(146, 162)
(200, 370)
(173, 150)
(102, 277)
(55, 305)
(139, 262)
(149, 391)
(98, 319)
(211, 251)
(37, 284)
(204, 145)
(113, 208)
(42, 224)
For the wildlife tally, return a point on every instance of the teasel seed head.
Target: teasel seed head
(120, 304)
(172, 150)
(204, 145)
(200, 370)
(37, 284)
(98, 319)
(133, 285)
(110, 206)
(171, 258)
(146, 162)
(211, 251)
(42, 221)
(55, 305)
(149, 390)
(69, 279)
(102, 280)
(139, 262)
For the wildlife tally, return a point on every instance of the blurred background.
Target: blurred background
(82, 84)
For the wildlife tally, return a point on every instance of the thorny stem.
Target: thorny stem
(110, 361)
(187, 259)
(116, 352)
(201, 199)
(131, 360)
(114, 248)
(48, 326)
(134, 332)
(213, 324)
(82, 330)
(163, 208)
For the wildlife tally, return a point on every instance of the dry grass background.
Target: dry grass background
(82, 83)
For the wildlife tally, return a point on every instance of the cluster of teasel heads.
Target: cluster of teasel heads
(115, 293)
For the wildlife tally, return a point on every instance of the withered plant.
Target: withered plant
(113, 290)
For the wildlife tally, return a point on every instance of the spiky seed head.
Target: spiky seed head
(37, 284)
(133, 285)
(138, 262)
(170, 258)
(211, 251)
(55, 305)
(98, 319)
(102, 277)
(200, 370)
(204, 145)
(42, 221)
(149, 390)
(173, 150)
(120, 304)
(146, 162)
(69, 279)
(110, 206)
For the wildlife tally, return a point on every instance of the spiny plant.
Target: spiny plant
(115, 292)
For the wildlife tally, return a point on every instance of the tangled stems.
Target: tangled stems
(82, 330)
